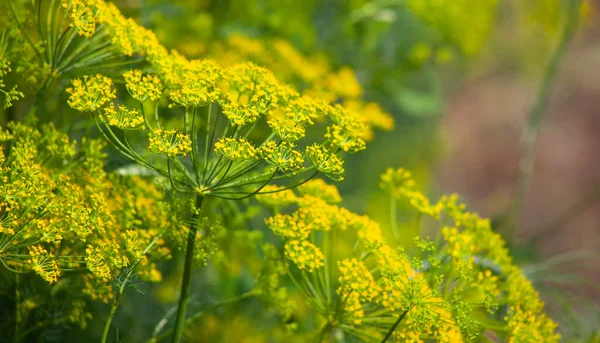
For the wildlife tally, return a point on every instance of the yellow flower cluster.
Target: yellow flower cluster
(400, 184)
(124, 118)
(318, 188)
(43, 263)
(143, 87)
(197, 85)
(236, 149)
(469, 236)
(291, 66)
(13, 94)
(244, 92)
(91, 93)
(61, 211)
(169, 142)
(325, 161)
(434, 292)
(357, 286)
(304, 254)
(347, 130)
(282, 156)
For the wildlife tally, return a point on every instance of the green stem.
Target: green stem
(111, 314)
(393, 328)
(534, 120)
(123, 284)
(323, 332)
(187, 276)
(394, 218)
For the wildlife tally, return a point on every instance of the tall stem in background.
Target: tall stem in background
(186, 281)
(534, 120)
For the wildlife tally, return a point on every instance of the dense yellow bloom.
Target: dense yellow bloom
(277, 196)
(91, 93)
(169, 142)
(529, 327)
(289, 226)
(238, 113)
(236, 149)
(61, 210)
(326, 161)
(282, 156)
(320, 189)
(124, 118)
(357, 285)
(305, 255)
(198, 84)
(43, 263)
(143, 87)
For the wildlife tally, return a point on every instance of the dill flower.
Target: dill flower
(320, 189)
(305, 255)
(143, 87)
(282, 156)
(277, 196)
(236, 149)
(238, 113)
(170, 143)
(43, 264)
(289, 226)
(198, 85)
(441, 292)
(91, 92)
(325, 161)
(124, 118)
(13, 94)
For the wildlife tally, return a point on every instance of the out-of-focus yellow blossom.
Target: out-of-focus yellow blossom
(277, 196)
(305, 255)
(450, 18)
(320, 189)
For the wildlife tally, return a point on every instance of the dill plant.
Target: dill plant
(225, 111)
(461, 286)
(220, 131)
(68, 221)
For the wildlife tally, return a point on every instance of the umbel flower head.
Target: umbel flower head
(242, 126)
(68, 221)
(458, 288)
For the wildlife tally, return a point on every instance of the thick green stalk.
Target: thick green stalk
(186, 281)
(534, 120)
